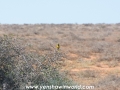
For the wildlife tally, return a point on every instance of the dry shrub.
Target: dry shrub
(19, 68)
(111, 53)
(110, 82)
(89, 74)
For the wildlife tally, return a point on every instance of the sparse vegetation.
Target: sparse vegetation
(28, 54)
(110, 82)
(89, 74)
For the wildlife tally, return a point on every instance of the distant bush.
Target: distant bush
(110, 82)
(89, 74)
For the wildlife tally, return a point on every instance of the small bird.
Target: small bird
(58, 46)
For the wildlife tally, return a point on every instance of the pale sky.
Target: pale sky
(59, 11)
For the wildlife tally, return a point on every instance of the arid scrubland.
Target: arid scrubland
(89, 53)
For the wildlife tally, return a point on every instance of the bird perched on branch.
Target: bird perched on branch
(58, 46)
